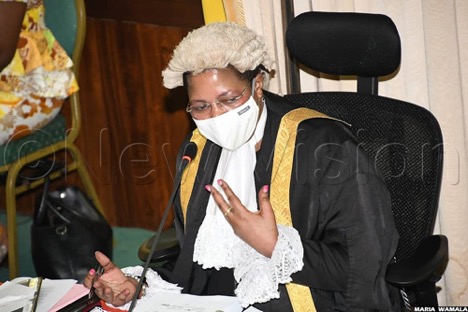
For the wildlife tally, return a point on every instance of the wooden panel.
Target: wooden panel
(132, 125)
(180, 13)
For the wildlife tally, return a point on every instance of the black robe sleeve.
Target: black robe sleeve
(341, 208)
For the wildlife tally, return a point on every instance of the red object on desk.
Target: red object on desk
(105, 307)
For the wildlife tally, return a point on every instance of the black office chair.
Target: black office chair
(404, 139)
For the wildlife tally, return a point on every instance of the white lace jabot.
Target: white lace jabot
(217, 246)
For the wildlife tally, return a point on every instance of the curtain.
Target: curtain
(434, 65)
(433, 74)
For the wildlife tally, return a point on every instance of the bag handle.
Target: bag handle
(44, 204)
(45, 165)
(47, 203)
(78, 214)
(57, 213)
(40, 212)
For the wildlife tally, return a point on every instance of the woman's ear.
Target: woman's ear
(258, 85)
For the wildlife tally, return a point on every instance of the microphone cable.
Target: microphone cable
(189, 154)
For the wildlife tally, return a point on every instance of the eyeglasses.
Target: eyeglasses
(201, 110)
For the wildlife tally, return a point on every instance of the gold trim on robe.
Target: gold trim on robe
(299, 295)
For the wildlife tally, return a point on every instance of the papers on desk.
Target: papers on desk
(14, 296)
(56, 294)
(76, 292)
(53, 295)
(174, 302)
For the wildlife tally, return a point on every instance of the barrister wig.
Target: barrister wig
(216, 45)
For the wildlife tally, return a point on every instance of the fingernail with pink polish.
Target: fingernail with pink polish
(92, 271)
(266, 188)
(208, 188)
(220, 182)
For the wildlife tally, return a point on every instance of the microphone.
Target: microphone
(190, 152)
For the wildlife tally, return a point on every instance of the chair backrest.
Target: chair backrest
(67, 21)
(61, 19)
(403, 139)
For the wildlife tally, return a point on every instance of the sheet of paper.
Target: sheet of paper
(75, 293)
(52, 291)
(172, 302)
(14, 296)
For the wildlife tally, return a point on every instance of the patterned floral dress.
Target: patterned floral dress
(39, 78)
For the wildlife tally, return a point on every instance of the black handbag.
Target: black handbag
(66, 231)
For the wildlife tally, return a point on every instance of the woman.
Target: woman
(35, 71)
(35, 75)
(274, 208)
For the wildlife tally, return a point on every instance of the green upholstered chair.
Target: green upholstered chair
(67, 20)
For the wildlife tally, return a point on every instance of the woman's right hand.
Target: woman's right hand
(258, 229)
(112, 286)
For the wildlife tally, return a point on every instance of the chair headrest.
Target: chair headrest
(362, 44)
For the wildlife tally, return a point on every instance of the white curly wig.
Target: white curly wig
(216, 45)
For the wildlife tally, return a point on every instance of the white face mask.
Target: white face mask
(232, 129)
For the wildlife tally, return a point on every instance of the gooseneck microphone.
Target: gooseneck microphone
(189, 153)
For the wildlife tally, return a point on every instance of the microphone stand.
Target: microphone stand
(185, 161)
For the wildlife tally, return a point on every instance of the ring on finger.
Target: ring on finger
(228, 211)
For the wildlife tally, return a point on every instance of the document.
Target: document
(52, 291)
(174, 302)
(14, 296)
(55, 294)
(75, 293)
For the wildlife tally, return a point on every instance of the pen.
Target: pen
(98, 272)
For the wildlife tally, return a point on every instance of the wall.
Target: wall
(132, 125)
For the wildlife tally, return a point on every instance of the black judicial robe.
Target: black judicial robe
(339, 205)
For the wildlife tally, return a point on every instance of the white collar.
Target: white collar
(215, 245)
